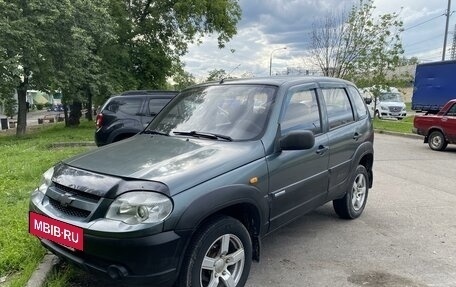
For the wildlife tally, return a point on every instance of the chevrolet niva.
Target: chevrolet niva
(188, 200)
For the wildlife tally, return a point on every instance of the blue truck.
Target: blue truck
(434, 86)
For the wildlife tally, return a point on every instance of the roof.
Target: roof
(276, 81)
(149, 92)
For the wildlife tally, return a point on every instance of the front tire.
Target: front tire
(378, 115)
(352, 204)
(437, 141)
(220, 252)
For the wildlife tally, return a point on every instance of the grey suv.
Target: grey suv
(126, 115)
(188, 200)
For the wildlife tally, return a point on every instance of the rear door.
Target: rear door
(123, 112)
(343, 136)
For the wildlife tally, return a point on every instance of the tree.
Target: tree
(183, 79)
(358, 46)
(22, 25)
(216, 74)
(48, 44)
(153, 35)
(77, 44)
(10, 106)
(91, 49)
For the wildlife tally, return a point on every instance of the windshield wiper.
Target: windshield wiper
(154, 132)
(204, 135)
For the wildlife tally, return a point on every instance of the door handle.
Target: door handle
(356, 136)
(322, 149)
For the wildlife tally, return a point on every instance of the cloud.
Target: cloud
(270, 24)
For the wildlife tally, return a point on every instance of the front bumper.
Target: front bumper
(388, 114)
(153, 259)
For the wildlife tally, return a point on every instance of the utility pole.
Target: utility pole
(453, 47)
(446, 30)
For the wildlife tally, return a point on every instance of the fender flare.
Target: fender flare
(221, 198)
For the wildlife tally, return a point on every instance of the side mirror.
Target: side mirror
(368, 101)
(297, 140)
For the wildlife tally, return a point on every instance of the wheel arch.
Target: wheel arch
(434, 129)
(367, 160)
(243, 203)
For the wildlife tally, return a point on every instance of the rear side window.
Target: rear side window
(358, 102)
(338, 106)
(129, 106)
(155, 105)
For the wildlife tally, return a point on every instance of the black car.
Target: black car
(126, 115)
(187, 201)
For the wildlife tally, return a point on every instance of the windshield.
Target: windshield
(236, 112)
(391, 97)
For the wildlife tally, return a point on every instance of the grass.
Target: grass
(22, 161)
(403, 126)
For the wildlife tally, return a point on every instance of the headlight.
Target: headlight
(384, 108)
(46, 180)
(140, 207)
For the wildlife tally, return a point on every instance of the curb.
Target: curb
(412, 136)
(43, 270)
(71, 144)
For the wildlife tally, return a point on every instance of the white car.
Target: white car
(389, 103)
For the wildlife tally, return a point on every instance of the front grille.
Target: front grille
(69, 210)
(395, 109)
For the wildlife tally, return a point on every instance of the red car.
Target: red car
(439, 129)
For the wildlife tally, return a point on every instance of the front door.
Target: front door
(299, 178)
(449, 124)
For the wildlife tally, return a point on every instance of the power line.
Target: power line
(424, 22)
(425, 40)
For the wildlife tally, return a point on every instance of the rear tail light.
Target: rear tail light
(99, 120)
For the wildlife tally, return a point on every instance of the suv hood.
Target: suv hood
(178, 162)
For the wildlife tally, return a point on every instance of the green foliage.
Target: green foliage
(182, 79)
(358, 47)
(90, 50)
(9, 105)
(152, 35)
(215, 75)
(28, 157)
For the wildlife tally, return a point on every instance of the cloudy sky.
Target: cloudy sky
(273, 24)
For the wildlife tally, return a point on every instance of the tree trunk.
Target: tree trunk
(22, 107)
(65, 114)
(75, 114)
(89, 105)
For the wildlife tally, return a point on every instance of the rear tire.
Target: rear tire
(352, 204)
(437, 141)
(221, 251)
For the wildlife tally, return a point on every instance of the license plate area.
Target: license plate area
(62, 233)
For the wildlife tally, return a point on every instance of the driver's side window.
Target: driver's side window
(301, 112)
(452, 111)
